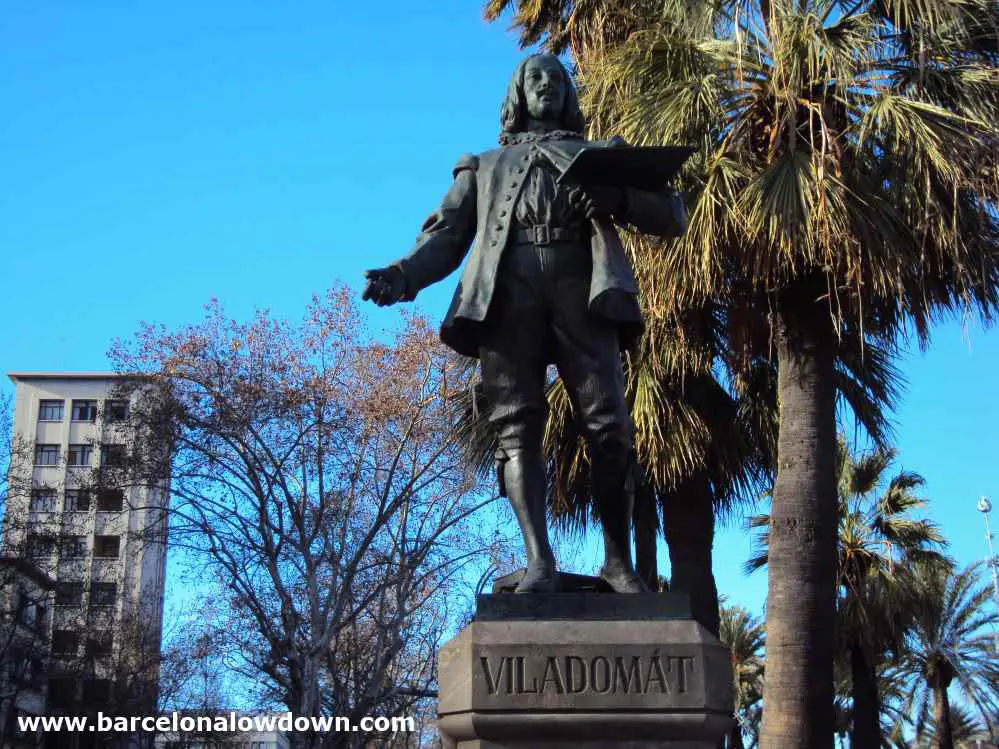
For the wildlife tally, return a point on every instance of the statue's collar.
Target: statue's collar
(512, 139)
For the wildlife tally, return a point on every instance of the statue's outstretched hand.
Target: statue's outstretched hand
(597, 201)
(385, 285)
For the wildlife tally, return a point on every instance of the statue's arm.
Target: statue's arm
(446, 234)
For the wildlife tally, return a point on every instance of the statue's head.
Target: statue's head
(541, 89)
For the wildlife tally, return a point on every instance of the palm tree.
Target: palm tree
(845, 174)
(704, 444)
(894, 717)
(743, 634)
(815, 119)
(583, 27)
(967, 731)
(879, 540)
(951, 647)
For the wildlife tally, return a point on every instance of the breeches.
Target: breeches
(539, 314)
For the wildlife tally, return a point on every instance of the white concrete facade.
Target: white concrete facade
(103, 545)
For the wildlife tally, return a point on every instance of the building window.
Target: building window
(77, 500)
(110, 500)
(46, 455)
(65, 641)
(43, 499)
(96, 691)
(113, 455)
(50, 410)
(103, 594)
(107, 546)
(81, 455)
(61, 692)
(115, 410)
(40, 546)
(69, 594)
(73, 547)
(84, 410)
(99, 643)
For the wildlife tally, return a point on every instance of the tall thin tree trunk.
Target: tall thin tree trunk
(866, 732)
(689, 525)
(801, 607)
(941, 708)
(646, 535)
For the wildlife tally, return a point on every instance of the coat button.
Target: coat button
(502, 214)
(520, 170)
(508, 197)
(513, 184)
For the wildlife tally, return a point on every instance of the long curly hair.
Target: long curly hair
(513, 113)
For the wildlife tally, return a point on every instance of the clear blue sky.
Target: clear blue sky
(158, 154)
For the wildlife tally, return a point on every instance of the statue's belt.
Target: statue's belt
(542, 234)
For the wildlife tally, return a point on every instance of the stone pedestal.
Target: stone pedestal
(584, 671)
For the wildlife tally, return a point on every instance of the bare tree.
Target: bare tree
(316, 471)
(193, 665)
(6, 442)
(26, 595)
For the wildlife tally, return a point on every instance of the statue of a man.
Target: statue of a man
(547, 281)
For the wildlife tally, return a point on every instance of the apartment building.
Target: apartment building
(99, 537)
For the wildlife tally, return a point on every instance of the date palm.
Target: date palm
(952, 647)
(895, 691)
(967, 731)
(879, 541)
(894, 698)
(846, 172)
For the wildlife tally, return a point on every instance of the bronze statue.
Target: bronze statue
(547, 280)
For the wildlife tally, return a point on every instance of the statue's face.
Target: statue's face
(544, 88)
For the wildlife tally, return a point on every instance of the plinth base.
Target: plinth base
(591, 680)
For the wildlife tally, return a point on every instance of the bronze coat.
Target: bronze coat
(477, 212)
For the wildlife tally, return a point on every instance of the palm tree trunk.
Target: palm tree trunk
(689, 525)
(945, 730)
(866, 732)
(801, 607)
(646, 535)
